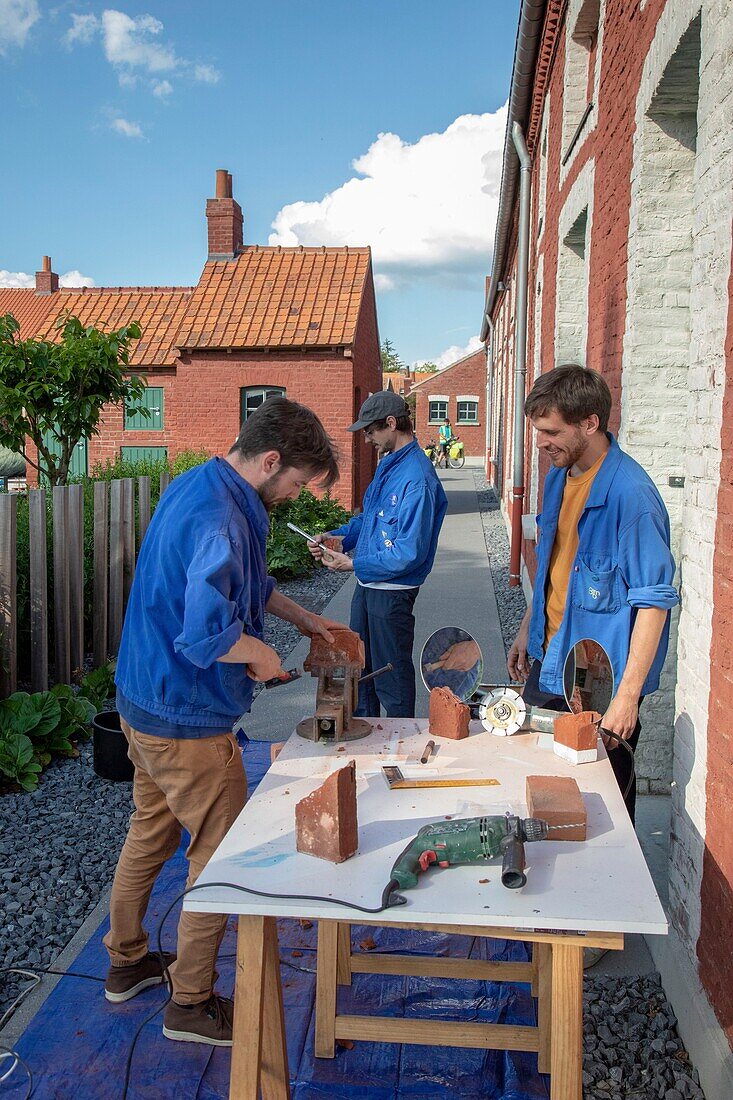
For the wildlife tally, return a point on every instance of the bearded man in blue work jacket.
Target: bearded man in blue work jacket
(192, 651)
(394, 539)
(604, 566)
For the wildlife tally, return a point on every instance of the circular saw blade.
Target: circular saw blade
(503, 712)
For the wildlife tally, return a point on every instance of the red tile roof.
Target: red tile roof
(159, 310)
(267, 297)
(278, 297)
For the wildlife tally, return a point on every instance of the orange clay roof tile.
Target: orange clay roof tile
(267, 297)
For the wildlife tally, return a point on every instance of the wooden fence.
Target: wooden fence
(115, 554)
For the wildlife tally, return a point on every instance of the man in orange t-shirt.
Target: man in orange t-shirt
(604, 566)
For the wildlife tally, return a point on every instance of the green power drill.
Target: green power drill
(469, 840)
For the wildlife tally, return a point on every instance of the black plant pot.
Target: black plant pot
(110, 748)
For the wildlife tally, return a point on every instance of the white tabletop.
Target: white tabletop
(600, 885)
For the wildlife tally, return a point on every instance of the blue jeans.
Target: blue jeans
(384, 621)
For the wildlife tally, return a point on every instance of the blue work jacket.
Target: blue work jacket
(623, 563)
(200, 583)
(397, 531)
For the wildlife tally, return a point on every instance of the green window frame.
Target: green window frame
(437, 411)
(467, 412)
(153, 400)
(79, 464)
(144, 454)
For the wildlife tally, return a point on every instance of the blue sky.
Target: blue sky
(116, 118)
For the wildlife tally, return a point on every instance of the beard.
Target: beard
(268, 492)
(567, 457)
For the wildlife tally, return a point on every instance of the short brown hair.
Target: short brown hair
(295, 432)
(573, 391)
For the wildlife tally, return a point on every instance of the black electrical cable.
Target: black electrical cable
(627, 746)
(390, 898)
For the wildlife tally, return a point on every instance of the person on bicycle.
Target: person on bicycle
(445, 434)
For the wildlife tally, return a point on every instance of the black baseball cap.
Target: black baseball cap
(378, 407)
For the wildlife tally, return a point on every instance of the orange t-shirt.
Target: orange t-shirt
(565, 546)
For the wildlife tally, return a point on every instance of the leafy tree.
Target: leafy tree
(391, 362)
(427, 368)
(61, 388)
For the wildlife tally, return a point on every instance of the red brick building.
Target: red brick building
(298, 321)
(625, 110)
(458, 392)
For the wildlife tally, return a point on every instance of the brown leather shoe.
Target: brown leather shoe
(125, 982)
(208, 1022)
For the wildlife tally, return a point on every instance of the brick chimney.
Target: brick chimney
(47, 281)
(224, 216)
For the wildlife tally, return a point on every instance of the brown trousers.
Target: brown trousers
(200, 785)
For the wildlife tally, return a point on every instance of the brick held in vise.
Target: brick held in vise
(557, 800)
(325, 820)
(347, 648)
(449, 717)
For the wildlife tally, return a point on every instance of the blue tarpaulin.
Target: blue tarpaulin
(77, 1044)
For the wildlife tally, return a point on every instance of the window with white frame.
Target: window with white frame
(437, 408)
(467, 408)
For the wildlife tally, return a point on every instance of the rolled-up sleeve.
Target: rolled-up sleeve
(216, 602)
(646, 562)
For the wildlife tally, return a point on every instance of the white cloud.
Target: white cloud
(75, 279)
(450, 355)
(132, 42)
(134, 46)
(428, 209)
(20, 279)
(127, 129)
(16, 19)
(83, 29)
(206, 74)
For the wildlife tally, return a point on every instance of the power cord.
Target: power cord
(627, 746)
(7, 1052)
(389, 899)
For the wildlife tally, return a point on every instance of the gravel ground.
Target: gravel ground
(511, 602)
(59, 844)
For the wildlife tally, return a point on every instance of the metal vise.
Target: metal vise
(338, 666)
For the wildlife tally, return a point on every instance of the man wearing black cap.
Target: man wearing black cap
(394, 539)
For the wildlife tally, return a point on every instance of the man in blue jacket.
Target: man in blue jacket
(605, 570)
(394, 539)
(190, 656)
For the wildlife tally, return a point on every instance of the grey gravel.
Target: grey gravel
(511, 602)
(631, 1049)
(59, 844)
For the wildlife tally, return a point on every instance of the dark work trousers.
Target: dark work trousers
(621, 761)
(384, 621)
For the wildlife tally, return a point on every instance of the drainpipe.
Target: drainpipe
(520, 371)
(489, 397)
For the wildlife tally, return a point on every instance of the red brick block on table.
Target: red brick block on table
(346, 648)
(557, 800)
(577, 731)
(449, 717)
(325, 820)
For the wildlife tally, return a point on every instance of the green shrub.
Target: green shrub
(287, 553)
(186, 460)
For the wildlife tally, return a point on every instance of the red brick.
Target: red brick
(347, 648)
(449, 717)
(558, 801)
(577, 731)
(325, 821)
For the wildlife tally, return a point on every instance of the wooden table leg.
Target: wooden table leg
(326, 976)
(567, 1022)
(259, 1054)
(535, 970)
(344, 954)
(543, 952)
(275, 1075)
